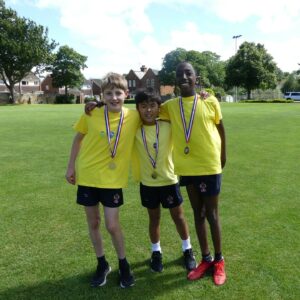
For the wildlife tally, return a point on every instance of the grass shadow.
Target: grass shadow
(148, 285)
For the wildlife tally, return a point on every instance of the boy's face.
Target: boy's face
(114, 99)
(149, 111)
(186, 79)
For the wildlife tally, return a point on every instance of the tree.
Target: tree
(23, 46)
(207, 65)
(292, 83)
(251, 68)
(66, 68)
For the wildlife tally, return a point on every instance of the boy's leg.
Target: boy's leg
(103, 268)
(113, 226)
(198, 206)
(154, 224)
(93, 220)
(179, 220)
(154, 233)
(212, 214)
(183, 230)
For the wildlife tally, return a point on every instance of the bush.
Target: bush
(267, 101)
(64, 99)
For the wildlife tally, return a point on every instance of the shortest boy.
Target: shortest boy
(99, 164)
(153, 168)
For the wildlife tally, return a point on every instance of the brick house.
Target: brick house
(146, 79)
(29, 84)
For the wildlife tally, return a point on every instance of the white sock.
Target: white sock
(186, 244)
(156, 247)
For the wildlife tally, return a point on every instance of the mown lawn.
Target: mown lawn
(45, 249)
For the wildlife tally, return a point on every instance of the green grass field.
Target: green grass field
(44, 245)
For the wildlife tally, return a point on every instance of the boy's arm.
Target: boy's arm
(91, 105)
(221, 131)
(70, 174)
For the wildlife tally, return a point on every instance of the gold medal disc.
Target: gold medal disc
(186, 150)
(154, 175)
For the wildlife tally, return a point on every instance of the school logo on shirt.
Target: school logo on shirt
(103, 134)
(111, 134)
(202, 187)
(170, 199)
(116, 198)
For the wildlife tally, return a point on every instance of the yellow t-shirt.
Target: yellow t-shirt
(142, 167)
(94, 158)
(204, 144)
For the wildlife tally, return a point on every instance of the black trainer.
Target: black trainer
(156, 262)
(189, 259)
(126, 278)
(99, 279)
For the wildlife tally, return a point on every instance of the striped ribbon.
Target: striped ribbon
(152, 160)
(188, 131)
(113, 150)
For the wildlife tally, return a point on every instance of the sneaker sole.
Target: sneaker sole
(125, 286)
(104, 282)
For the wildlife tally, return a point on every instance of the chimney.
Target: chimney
(143, 68)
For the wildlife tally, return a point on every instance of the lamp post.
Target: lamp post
(236, 37)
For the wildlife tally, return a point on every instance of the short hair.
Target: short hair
(142, 97)
(114, 80)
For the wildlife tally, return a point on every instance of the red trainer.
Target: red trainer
(200, 270)
(219, 272)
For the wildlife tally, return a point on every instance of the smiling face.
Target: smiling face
(186, 79)
(148, 111)
(114, 99)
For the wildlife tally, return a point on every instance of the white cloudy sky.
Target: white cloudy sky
(119, 35)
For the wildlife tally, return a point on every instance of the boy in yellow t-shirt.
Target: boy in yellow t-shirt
(199, 155)
(154, 170)
(99, 165)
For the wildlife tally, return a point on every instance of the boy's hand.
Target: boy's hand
(204, 94)
(89, 107)
(70, 175)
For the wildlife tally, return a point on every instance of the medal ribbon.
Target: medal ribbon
(152, 160)
(188, 131)
(106, 117)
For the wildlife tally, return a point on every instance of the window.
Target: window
(24, 82)
(129, 83)
(36, 83)
(147, 82)
(152, 83)
(133, 82)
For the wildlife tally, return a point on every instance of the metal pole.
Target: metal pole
(236, 37)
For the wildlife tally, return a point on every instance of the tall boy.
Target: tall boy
(99, 163)
(199, 156)
(158, 184)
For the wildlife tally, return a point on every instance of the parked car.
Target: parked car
(292, 96)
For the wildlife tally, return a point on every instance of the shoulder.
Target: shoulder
(170, 101)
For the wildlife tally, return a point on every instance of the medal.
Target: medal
(155, 146)
(154, 175)
(112, 165)
(188, 130)
(109, 134)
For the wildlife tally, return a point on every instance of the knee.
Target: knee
(212, 218)
(94, 224)
(112, 228)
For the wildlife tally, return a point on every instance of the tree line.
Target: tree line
(24, 46)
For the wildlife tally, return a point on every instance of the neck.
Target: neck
(148, 123)
(188, 94)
